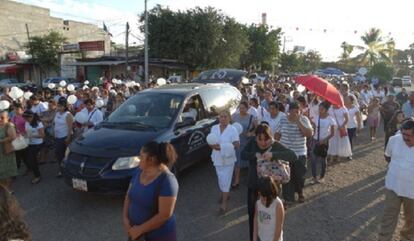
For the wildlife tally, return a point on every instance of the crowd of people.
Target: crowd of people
(282, 128)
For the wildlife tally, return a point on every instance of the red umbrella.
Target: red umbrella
(321, 88)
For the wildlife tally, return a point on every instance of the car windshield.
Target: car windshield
(146, 110)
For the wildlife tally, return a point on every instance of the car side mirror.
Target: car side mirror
(186, 122)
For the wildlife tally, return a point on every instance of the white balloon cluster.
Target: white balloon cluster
(116, 81)
(4, 105)
(16, 93)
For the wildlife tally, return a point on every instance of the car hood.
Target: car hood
(107, 142)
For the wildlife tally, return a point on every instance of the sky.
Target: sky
(320, 25)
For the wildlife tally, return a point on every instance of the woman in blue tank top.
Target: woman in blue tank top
(149, 204)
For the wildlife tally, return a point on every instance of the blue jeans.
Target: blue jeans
(60, 149)
(317, 159)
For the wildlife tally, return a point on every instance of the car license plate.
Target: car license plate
(79, 184)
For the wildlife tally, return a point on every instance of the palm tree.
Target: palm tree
(346, 50)
(375, 49)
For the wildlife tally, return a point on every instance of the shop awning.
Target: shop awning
(9, 68)
(97, 63)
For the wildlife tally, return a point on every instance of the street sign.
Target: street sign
(92, 46)
(70, 47)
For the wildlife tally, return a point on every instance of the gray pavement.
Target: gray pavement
(347, 207)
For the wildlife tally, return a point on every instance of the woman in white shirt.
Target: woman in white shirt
(339, 145)
(324, 126)
(62, 126)
(35, 132)
(224, 155)
(355, 121)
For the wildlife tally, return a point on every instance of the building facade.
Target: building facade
(15, 16)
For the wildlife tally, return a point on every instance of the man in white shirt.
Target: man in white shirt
(274, 116)
(95, 116)
(38, 107)
(189, 111)
(399, 184)
(262, 113)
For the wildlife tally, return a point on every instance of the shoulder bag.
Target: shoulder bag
(342, 130)
(7, 146)
(154, 212)
(278, 169)
(320, 150)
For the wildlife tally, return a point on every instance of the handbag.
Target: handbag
(320, 150)
(7, 146)
(342, 131)
(20, 143)
(278, 169)
(163, 175)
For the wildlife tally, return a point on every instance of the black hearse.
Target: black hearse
(105, 158)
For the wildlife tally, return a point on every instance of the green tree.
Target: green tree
(264, 50)
(376, 49)
(310, 61)
(45, 50)
(347, 50)
(382, 71)
(289, 62)
(200, 37)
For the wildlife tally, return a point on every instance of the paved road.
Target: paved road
(347, 207)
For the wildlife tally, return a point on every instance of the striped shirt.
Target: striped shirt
(292, 137)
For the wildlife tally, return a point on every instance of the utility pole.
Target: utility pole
(126, 50)
(30, 50)
(146, 44)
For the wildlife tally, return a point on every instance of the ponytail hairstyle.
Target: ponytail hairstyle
(268, 189)
(163, 153)
(35, 121)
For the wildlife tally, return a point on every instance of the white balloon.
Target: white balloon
(114, 81)
(27, 95)
(70, 87)
(72, 99)
(62, 83)
(238, 127)
(161, 81)
(14, 89)
(212, 139)
(99, 103)
(301, 88)
(51, 86)
(86, 82)
(85, 87)
(81, 117)
(4, 105)
(16, 93)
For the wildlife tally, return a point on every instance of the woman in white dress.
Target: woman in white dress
(339, 145)
(224, 155)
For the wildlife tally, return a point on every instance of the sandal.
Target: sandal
(301, 199)
(234, 186)
(35, 180)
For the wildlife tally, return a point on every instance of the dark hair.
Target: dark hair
(264, 129)
(89, 101)
(35, 121)
(294, 106)
(326, 105)
(268, 189)
(164, 153)
(255, 101)
(408, 125)
(18, 105)
(275, 104)
(302, 100)
(11, 223)
(245, 104)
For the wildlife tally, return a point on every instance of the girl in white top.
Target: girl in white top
(270, 214)
(339, 146)
(63, 126)
(355, 120)
(35, 132)
(224, 155)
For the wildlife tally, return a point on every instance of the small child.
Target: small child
(374, 117)
(269, 214)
